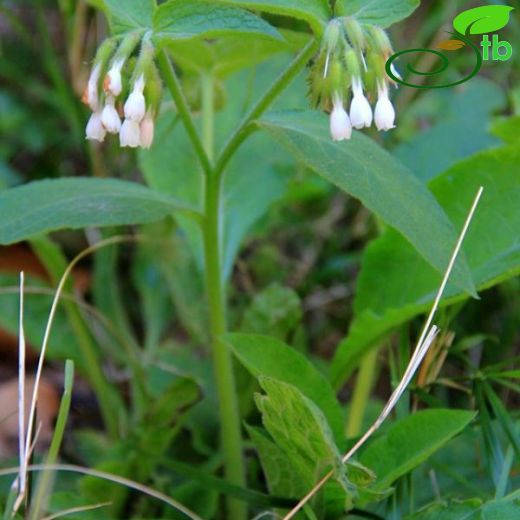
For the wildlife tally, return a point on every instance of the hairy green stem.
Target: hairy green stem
(230, 434)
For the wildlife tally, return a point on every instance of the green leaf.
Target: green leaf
(73, 203)
(266, 356)
(481, 20)
(367, 172)
(184, 19)
(472, 509)
(507, 129)
(300, 429)
(281, 477)
(410, 441)
(226, 55)
(452, 510)
(395, 284)
(377, 12)
(129, 15)
(315, 12)
(275, 311)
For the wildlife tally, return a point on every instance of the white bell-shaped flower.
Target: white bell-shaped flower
(360, 111)
(113, 84)
(340, 127)
(147, 130)
(95, 130)
(130, 134)
(135, 106)
(90, 96)
(384, 114)
(110, 118)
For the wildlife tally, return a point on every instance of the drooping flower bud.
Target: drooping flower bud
(135, 106)
(110, 118)
(130, 134)
(384, 114)
(360, 110)
(90, 96)
(112, 84)
(95, 131)
(340, 127)
(147, 130)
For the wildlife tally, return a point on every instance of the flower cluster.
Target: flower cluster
(117, 77)
(348, 72)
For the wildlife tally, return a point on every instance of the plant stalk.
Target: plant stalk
(230, 434)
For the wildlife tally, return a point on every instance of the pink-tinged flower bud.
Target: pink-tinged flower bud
(95, 130)
(113, 84)
(90, 96)
(135, 106)
(360, 111)
(130, 134)
(110, 117)
(147, 131)
(384, 113)
(340, 127)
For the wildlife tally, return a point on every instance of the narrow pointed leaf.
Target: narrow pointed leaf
(364, 170)
(73, 203)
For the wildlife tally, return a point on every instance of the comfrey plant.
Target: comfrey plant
(116, 76)
(206, 183)
(351, 62)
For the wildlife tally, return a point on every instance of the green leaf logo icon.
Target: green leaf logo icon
(481, 20)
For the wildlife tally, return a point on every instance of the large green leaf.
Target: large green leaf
(184, 19)
(49, 205)
(396, 284)
(481, 20)
(267, 356)
(377, 12)
(315, 12)
(367, 172)
(410, 441)
(129, 15)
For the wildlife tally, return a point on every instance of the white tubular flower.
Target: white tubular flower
(90, 96)
(95, 130)
(113, 84)
(340, 127)
(384, 113)
(130, 134)
(135, 106)
(360, 111)
(110, 117)
(147, 131)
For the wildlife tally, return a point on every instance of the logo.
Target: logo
(478, 21)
